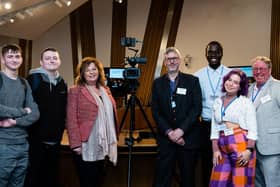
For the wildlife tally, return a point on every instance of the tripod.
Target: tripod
(130, 140)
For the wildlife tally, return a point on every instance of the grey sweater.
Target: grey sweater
(13, 100)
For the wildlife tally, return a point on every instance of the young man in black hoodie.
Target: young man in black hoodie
(50, 93)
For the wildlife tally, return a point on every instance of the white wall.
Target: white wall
(59, 38)
(137, 14)
(102, 12)
(242, 26)
(137, 17)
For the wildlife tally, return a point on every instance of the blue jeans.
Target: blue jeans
(13, 162)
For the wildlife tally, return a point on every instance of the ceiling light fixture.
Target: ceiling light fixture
(12, 20)
(2, 22)
(11, 17)
(67, 2)
(29, 12)
(58, 3)
(20, 15)
(7, 5)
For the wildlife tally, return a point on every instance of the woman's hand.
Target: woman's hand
(78, 150)
(244, 157)
(217, 156)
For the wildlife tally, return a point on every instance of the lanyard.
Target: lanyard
(218, 83)
(223, 109)
(172, 85)
(255, 96)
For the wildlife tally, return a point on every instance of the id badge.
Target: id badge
(228, 132)
(221, 127)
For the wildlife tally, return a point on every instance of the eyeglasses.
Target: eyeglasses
(172, 59)
(259, 69)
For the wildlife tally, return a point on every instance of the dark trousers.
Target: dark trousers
(169, 156)
(90, 173)
(206, 153)
(43, 165)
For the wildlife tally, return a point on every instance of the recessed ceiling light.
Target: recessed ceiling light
(7, 6)
(68, 3)
(2, 22)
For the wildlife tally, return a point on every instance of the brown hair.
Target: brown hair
(48, 49)
(81, 69)
(13, 47)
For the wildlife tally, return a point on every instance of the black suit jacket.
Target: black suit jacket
(188, 108)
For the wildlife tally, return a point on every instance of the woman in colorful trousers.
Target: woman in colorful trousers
(233, 134)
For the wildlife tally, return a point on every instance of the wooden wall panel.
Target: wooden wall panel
(82, 33)
(175, 9)
(275, 39)
(152, 41)
(119, 18)
(26, 46)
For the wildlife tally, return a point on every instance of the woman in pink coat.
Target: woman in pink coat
(91, 122)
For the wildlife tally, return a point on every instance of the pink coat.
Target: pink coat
(81, 113)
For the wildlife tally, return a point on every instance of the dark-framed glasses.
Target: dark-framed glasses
(172, 59)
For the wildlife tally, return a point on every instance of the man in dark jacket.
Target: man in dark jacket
(50, 93)
(176, 107)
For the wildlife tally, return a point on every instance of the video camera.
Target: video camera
(124, 80)
(132, 72)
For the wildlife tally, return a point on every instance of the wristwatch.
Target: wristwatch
(251, 149)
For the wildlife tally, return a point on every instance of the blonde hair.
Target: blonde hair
(264, 59)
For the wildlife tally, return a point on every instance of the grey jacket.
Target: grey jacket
(267, 105)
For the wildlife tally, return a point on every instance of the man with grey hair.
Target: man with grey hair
(176, 107)
(265, 94)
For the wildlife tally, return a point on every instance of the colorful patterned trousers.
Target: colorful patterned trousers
(228, 173)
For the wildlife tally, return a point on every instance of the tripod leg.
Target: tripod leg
(124, 115)
(145, 116)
